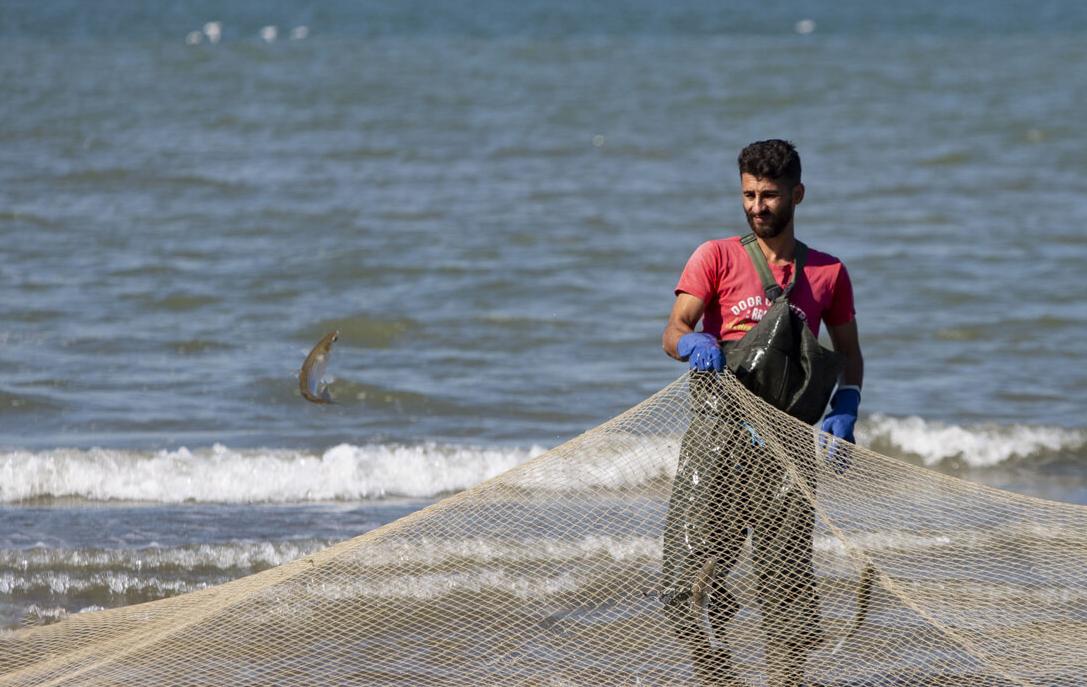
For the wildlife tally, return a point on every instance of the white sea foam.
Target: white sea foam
(431, 586)
(63, 570)
(884, 541)
(349, 472)
(224, 556)
(214, 31)
(436, 552)
(498, 563)
(982, 445)
(110, 582)
(611, 461)
(221, 474)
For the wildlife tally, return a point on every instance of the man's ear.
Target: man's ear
(798, 193)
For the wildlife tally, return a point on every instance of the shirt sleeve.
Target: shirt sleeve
(700, 274)
(842, 309)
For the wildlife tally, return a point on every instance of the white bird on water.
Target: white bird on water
(214, 31)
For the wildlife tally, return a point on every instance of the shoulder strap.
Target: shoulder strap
(769, 284)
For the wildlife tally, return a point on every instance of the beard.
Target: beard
(774, 226)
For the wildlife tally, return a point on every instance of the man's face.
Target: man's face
(769, 204)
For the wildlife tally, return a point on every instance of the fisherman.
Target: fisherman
(726, 487)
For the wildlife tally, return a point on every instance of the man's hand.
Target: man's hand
(702, 351)
(837, 453)
(839, 423)
(843, 413)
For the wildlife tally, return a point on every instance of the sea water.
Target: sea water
(492, 202)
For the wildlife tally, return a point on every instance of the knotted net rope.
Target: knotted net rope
(701, 537)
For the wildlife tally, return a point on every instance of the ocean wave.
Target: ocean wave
(533, 567)
(346, 472)
(222, 475)
(978, 446)
(441, 553)
(246, 557)
(100, 585)
(613, 461)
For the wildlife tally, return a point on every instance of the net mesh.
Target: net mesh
(702, 537)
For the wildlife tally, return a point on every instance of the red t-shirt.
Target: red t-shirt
(720, 273)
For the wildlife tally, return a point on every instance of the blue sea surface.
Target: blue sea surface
(492, 203)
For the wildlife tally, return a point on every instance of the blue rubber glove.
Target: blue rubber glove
(839, 423)
(843, 413)
(701, 351)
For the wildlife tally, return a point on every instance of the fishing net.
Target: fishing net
(702, 537)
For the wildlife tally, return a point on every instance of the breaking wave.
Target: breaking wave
(223, 475)
(977, 446)
(219, 474)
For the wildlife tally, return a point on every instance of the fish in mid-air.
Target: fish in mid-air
(313, 369)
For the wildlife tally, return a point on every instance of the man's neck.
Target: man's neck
(781, 249)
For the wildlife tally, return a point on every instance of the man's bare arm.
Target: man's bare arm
(686, 312)
(846, 341)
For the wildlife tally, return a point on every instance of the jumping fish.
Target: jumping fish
(313, 369)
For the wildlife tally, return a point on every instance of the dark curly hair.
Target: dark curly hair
(773, 159)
